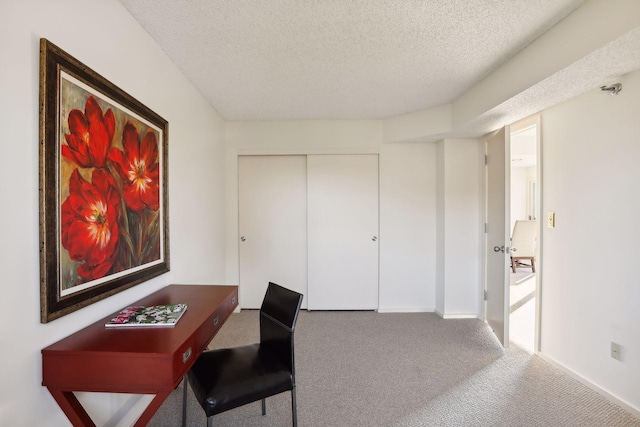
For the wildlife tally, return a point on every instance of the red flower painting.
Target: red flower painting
(91, 135)
(103, 189)
(138, 167)
(89, 222)
(110, 223)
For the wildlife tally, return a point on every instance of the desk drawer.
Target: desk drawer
(217, 319)
(192, 349)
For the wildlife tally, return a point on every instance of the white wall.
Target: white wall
(407, 197)
(459, 222)
(106, 38)
(590, 288)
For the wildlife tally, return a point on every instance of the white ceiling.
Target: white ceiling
(340, 59)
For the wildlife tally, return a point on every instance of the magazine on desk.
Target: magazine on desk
(143, 316)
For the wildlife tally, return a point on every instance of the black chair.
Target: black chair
(228, 378)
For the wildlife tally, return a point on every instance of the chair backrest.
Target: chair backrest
(524, 238)
(278, 317)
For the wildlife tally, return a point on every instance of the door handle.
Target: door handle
(503, 249)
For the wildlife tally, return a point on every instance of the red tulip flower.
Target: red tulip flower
(139, 169)
(91, 134)
(89, 223)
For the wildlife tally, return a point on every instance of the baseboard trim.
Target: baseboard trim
(406, 310)
(457, 316)
(460, 316)
(604, 393)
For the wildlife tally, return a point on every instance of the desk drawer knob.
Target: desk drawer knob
(186, 355)
(216, 321)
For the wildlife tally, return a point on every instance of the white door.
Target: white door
(497, 236)
(342, 197)
(272, 225)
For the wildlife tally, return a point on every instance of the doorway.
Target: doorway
(524, 208)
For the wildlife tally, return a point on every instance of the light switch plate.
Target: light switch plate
(616, 350)
(551, 219)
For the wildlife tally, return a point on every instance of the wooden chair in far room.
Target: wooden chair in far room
(523, 245)
(224, 379)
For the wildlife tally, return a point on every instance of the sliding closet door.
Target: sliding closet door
(272, 224)
(342, 198)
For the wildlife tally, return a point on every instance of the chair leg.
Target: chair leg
(264, 407)
(184, 403)
(210, 421)
(294, 414)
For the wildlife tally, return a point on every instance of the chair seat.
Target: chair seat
(227, 378)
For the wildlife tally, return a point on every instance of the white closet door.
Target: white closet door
(342, 198)
(272, 225)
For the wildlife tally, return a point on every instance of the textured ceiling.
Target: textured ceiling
(340, 59)
(603, 66)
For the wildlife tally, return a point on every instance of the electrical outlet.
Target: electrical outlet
(616, 351)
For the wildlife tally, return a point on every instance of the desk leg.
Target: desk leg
(72, 408)
(153, 407)
(74, 411)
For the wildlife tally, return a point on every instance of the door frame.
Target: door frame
(231, 193)
(536, 120)
(533, 120)
(232, 232)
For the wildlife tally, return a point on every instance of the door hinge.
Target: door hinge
(486, 228)
(486, 159)
(486, 295)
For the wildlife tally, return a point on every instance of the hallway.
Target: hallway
(522, 310)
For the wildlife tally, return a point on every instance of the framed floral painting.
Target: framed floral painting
(103, 187)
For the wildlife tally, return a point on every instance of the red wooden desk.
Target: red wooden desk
(145, 360)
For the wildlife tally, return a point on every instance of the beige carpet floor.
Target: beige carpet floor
(372, 369)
